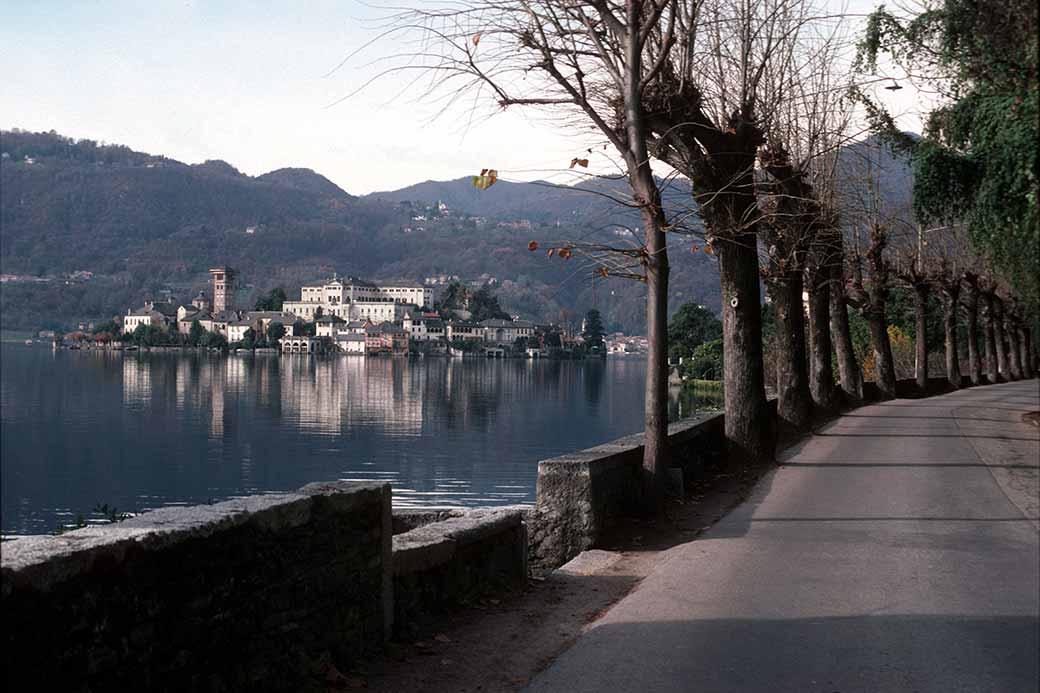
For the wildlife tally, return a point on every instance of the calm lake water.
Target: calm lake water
(139, 431)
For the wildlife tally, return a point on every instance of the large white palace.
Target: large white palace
(357, 299)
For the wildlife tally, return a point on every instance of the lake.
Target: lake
(144, 430)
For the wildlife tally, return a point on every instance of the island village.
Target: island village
(347, 315)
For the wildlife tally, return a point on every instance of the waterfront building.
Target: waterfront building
(357, 299)
(423, 329)
(297, 344)
(506, 331)
(236, 330)
(157, 314)
(351, 343)
(386, 337)
(461, 330)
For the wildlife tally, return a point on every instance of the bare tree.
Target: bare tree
(850, 374)
(591, 63)
(871, 265)
(910, 269)
(709, 108)
(804, 133)
(950, 257)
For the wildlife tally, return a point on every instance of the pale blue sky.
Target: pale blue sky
(243, 82)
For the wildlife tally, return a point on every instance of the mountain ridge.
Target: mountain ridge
(143, 225)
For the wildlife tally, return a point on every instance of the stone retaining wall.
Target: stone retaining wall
(581, 493)
(247, 594)
(442, 564)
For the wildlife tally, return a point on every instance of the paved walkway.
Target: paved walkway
(895, 550)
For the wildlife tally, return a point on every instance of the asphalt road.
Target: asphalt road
(894, 550)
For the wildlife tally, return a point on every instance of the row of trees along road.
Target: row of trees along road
(746, 101)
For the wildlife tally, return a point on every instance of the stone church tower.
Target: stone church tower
(223, 279)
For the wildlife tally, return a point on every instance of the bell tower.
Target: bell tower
(223, 279)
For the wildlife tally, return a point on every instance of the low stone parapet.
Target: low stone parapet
(581, 493)
(245, 594)
(442, 564)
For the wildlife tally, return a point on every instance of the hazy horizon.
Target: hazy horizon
(250, 84)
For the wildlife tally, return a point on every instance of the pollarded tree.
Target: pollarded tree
(723, 87)
(910, 269)
(805, 129)
(869, 290)
(949, 257)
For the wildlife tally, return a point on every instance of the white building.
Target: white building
(135, 318)
(157, 314)
(236, 330)
(328, 325)
(337, 292)
(423, 329)
(351, 343)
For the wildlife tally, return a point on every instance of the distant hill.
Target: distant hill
(120, 226)
(591, 201)
(304, 179)
(130, 225)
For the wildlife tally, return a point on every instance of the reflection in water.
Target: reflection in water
(143, 430)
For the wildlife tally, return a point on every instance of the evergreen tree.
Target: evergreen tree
(195, 333)
(593, 332)
(275, 331)
(483, 305)
(272, 300)
(691, 326)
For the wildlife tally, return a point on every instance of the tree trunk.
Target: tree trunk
(747, 418)
(921, 341)
(1014, 356)
(655, 264)
(990, 337)
(849, 372)
(886, 371)
(821, 381)
(971, 311)
(1026, 345)
(794, 402)
(655, 452)
(998, 338)
(953, 364)
(821, 371)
